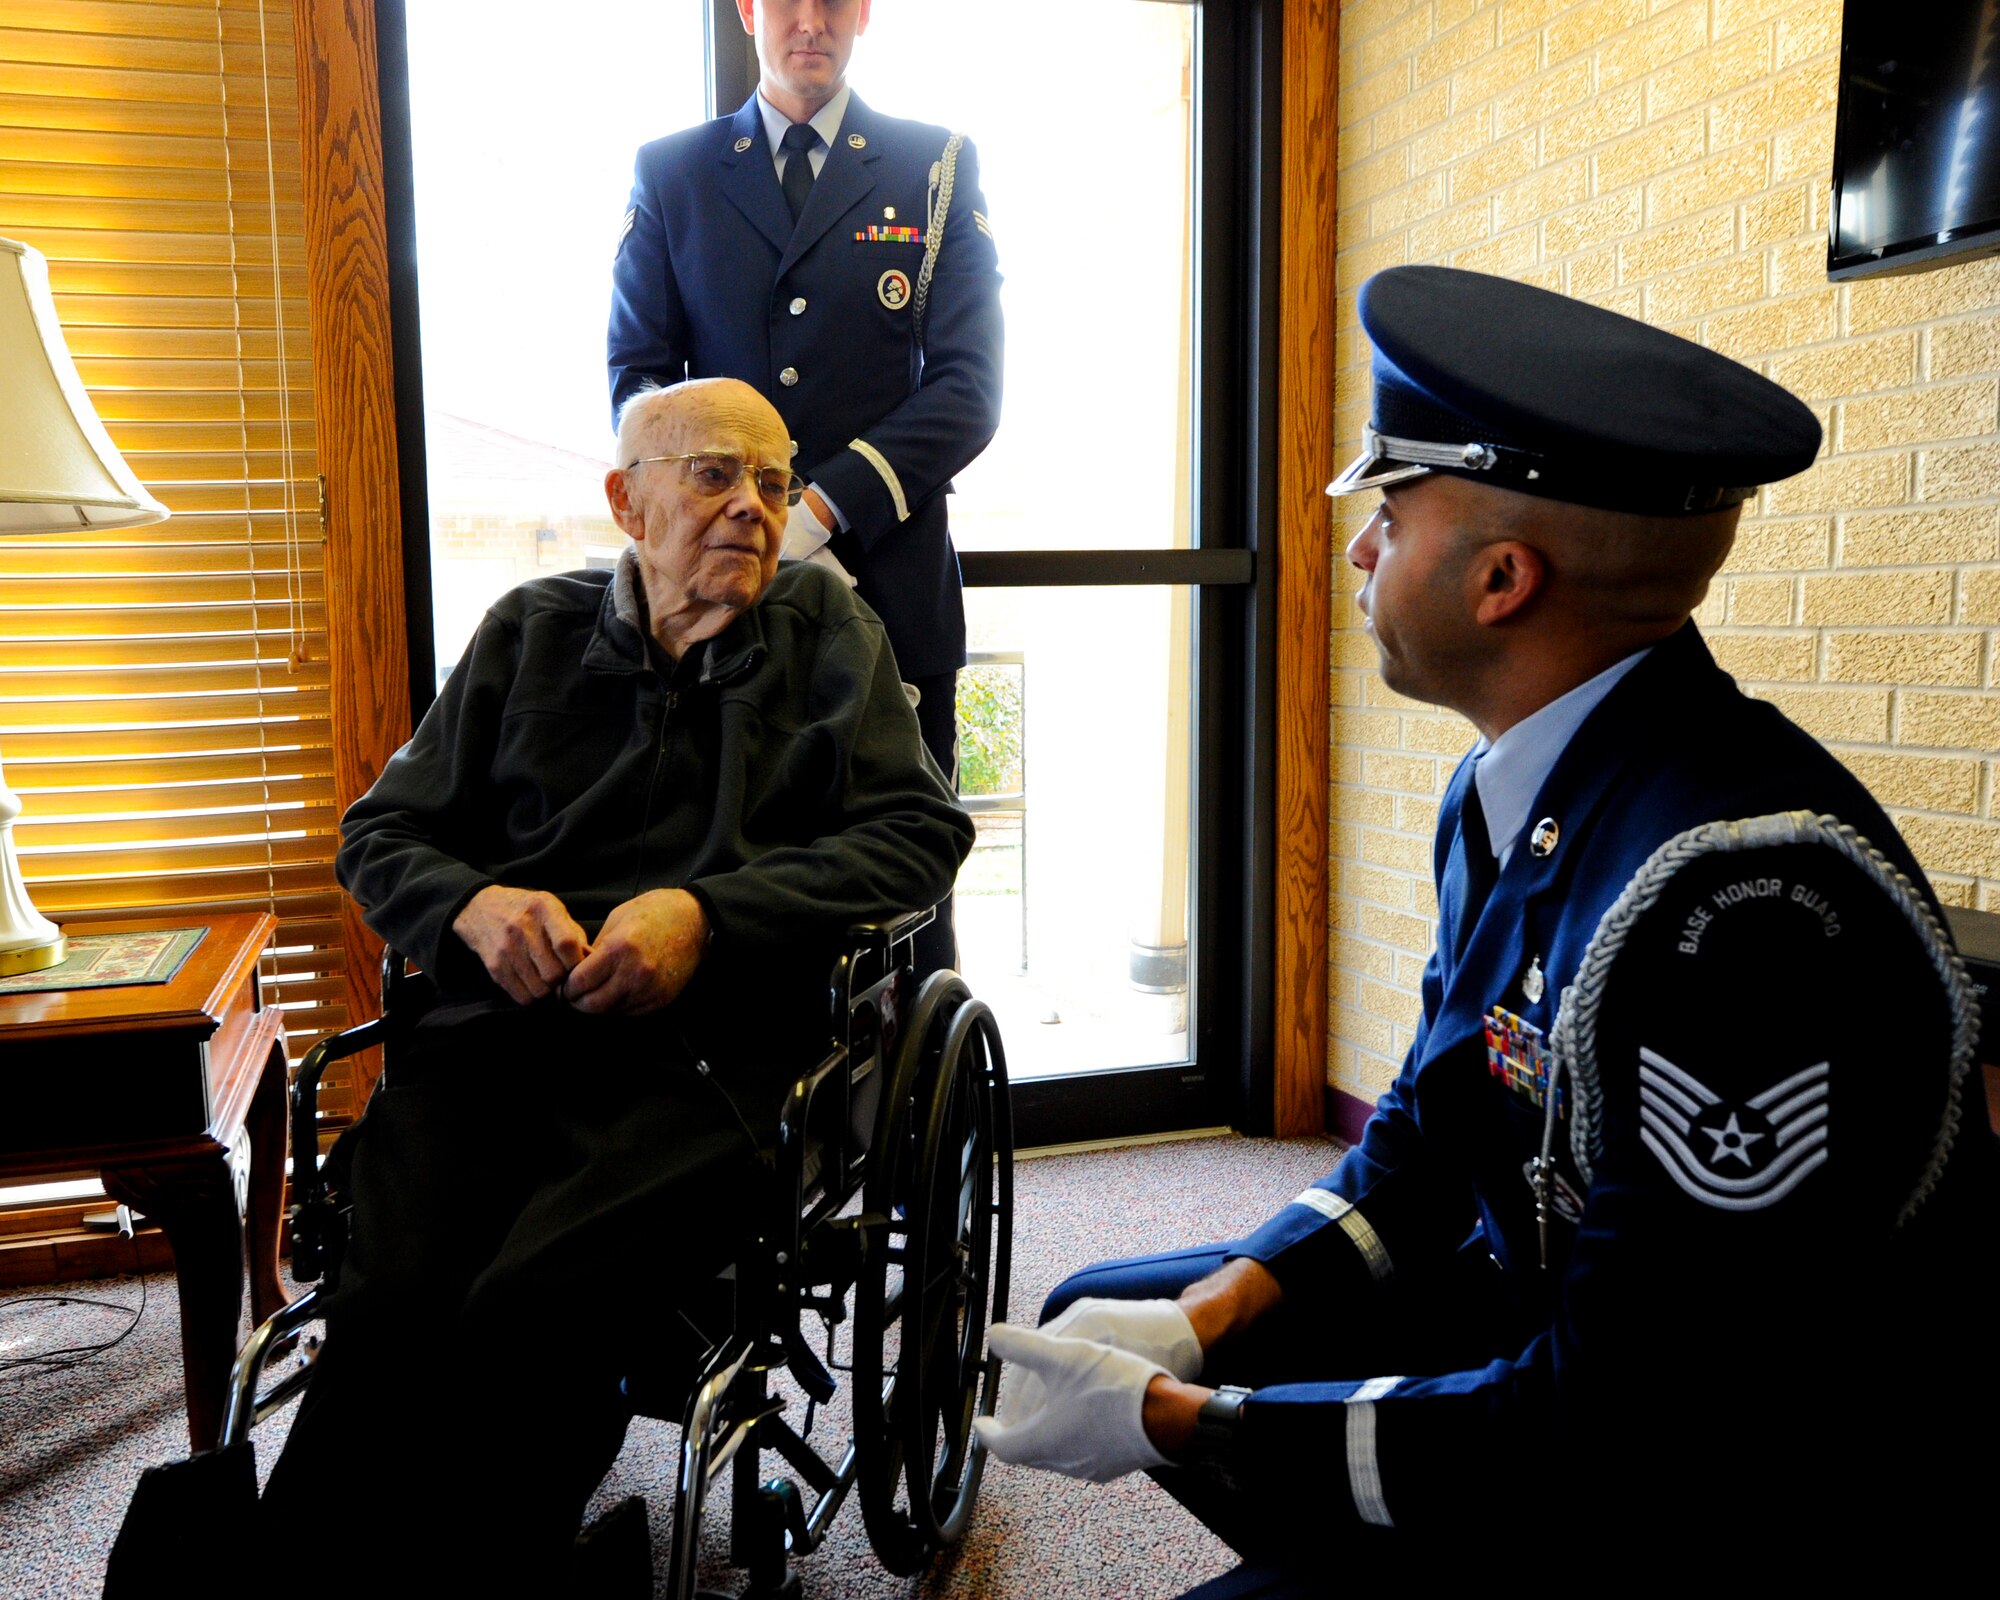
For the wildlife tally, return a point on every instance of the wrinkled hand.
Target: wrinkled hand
(525, 938)
(1157, 1330)
(1088, 1423)
(644, 955)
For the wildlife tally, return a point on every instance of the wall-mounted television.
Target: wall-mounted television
(1916, 156)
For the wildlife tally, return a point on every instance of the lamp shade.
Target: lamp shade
(59, 470)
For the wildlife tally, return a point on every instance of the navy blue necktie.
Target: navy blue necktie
(1476, 845)
(798, 179)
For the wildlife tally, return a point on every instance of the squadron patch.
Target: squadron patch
(893, 290)
(624, 231)
(1735, 1156)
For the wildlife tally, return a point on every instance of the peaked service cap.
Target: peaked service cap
(1503, 383)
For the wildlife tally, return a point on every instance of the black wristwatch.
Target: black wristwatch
(1213, 1448)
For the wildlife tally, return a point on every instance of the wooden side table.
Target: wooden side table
(150, 1086)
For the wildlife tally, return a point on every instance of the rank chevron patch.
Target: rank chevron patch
(1735, 1156)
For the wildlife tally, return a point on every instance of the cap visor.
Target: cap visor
(1371, 470)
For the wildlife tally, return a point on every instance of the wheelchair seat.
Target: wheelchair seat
(891, 1209)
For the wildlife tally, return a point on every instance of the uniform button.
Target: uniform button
(798, 306)
(789, 376)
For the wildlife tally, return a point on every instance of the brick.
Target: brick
(1378, 175)
(1763, 109)
(1853, 366)
(1668, 37)
(1395, 42)
(1782, 547)
(1842, 484)
(1528, 16)
(1343, 766)
(1713, 612)
(1353, 143)
(1353, 648)
(1780, 325)
(1836, 716)
(1728, 65)
(1803, 152)
(1587, 25)
(1411, 115)
(1812, 30)
(1465, 43)
(1764, 657)
(1552, 189)
(1772, 217)
(1759, 602)
(1698, 291)
(1947, 845)
(1396, 928)
(1374, 730)
(1661, 147)
(1453, 140)
(1376, 885)
(1955, 349)
(1921, 538)
(1979, 597)
(1951, 891)
(1361, 18)
(1371, 1033)
(1438, 736)
(1417, 815)
(1540, 95)
(1923, 296)
(1966, 472)
(1720, 180)
(1362, 99)
(1400, 852)
(1591, 277)
(1356, 266)
(1798, 264)
(1411, 203)
(1450, 13)
(1588, 226)
(1920, 783)
(1452, 230)
(1393, 1005)
(1941, 411)
(1507, 256)
(1877, 599)
(1733, 15)
(1359, 956)
(1502, 70)
(1677, 246)
(1595, 122)
(1903, 659)
(1406, 773)
(1950, 721)
(1501, 162)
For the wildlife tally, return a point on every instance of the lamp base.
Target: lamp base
(33, 957)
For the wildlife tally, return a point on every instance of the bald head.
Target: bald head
(657, 421)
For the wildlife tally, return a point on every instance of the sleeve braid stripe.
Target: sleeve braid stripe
(1364, 1468)
(1336, 1208)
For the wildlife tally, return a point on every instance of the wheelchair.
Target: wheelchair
(892, 1205)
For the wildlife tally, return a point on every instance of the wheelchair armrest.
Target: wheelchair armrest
(885, 936)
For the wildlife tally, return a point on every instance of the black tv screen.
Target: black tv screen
(1916, 158)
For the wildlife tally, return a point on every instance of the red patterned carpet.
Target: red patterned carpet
(73, 1441)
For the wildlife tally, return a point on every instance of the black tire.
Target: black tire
(935, 1276)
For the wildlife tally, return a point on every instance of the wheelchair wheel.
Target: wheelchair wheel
(935, 1277)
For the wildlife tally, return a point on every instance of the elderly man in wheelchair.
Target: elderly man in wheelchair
(622, 1155)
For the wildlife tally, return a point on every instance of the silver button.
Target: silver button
(798, 306)
(789, 376)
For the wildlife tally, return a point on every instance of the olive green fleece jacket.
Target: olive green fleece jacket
(775, 773)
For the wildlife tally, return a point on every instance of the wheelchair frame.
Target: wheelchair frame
(909, 1114)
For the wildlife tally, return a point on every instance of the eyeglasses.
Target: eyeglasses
(714, 473)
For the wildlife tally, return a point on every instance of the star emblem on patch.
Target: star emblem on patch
(1734, 1154)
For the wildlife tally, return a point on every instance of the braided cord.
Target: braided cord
(1573, 1040)
(944, 174)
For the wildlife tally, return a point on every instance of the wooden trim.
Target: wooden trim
(347, 259)
(1304, 565)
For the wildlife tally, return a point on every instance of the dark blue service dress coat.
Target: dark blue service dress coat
(713, 280)
(1673, 1363)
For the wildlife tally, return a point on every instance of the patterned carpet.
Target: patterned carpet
(73, 1441)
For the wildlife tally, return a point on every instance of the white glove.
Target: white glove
(806, 540)
(1088, 1424)
(1156, 1329)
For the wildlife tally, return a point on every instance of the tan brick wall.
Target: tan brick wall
(1670, 159)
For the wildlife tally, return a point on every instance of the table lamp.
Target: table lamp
(59, 473)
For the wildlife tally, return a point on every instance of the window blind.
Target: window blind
(164, 703)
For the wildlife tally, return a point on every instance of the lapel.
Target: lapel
(749, 179)
(841, 185)
(1664, 691)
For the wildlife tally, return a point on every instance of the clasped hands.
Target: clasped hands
(1077, 1400)
(532, 947)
